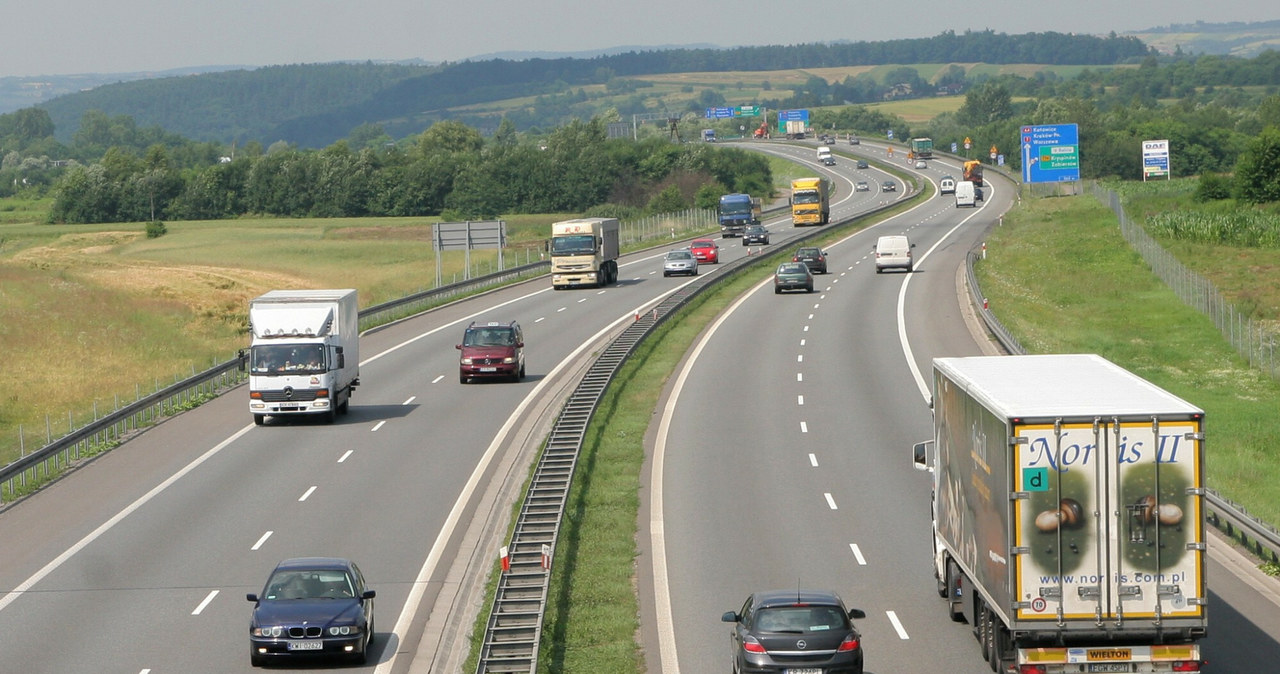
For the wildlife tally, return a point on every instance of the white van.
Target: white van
(893, 252)
(964, 194)
(823, 152)
(947, 185)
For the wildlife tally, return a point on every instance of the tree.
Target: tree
(983, 105)
(1258, 171)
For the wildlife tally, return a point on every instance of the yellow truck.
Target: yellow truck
(810, 201)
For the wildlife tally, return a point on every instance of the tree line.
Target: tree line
(450, 169)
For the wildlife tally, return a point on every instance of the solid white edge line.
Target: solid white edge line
(422, 581)
(103, 528)
(205, 603)
(657, 535)
(897, 625)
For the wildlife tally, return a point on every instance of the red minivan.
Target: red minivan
(491, 351)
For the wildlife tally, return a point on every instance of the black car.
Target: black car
(888, 186)
(977, 193)
(795, 631)
(862, 163)
(755, 234)
(311, 606)
(829, 160)
(814, 258)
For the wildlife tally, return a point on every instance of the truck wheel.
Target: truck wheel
(1001, 646)
(983, 631)
(954, 609)
(259, 419)
(331, 416)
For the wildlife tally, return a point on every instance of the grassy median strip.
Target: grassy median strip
(1060, 276)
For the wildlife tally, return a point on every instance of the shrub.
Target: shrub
(1212, 187)
(156, 229)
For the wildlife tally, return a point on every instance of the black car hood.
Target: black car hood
(320, 612)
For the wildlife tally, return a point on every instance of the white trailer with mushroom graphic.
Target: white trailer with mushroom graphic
(1068, 514)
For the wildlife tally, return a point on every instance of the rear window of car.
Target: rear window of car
(800, 619)
(809, 252)
(792, 267)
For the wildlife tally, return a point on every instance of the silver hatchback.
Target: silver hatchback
(680, 262)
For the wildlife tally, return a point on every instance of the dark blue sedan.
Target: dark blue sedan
(312, 606)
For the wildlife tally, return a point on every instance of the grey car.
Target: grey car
(862, 163)
(755, 234)
(679, 262)
(795, 631)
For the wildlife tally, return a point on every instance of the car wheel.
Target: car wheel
(808, 289)
(462, 379)
(259, 419)
(257, 660)
(665, 274)
(777, 290)
(521, 372)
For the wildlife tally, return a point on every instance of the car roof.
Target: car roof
(314, 563)
(771, 598)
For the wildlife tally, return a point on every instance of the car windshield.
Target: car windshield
(800, 619)
(309, 584)
(573, 244)
(287, 359)
(489, 337)
(678, 255)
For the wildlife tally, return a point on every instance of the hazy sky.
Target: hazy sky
(56, 37)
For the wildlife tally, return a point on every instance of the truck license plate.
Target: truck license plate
(306, 645)
(288, 408)
(1109, 667)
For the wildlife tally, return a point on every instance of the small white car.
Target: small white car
(922, 164)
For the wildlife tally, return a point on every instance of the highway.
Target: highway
(139, 561)
(145, 554)
(782, 460)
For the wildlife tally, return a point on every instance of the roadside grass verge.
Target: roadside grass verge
(1060, 276)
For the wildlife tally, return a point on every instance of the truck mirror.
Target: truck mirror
(920, 455)
(243, 357)
(342, 360)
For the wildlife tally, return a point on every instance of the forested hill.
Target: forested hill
(315, 105)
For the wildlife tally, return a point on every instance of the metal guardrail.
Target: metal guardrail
(104, 432)
(1262, 538)
(514, 629)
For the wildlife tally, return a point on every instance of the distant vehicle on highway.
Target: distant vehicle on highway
(861, 186)
(491, 351)
(679, 262)
(888, 186)
(813, 257)
(792, 276)
(705, 250)
(755, 234)
(862, 163)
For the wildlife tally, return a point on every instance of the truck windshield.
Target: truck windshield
(804, 198)
(735, 208)
(287, 359)
(573, 244)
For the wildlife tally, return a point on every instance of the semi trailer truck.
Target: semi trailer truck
(1068, 514)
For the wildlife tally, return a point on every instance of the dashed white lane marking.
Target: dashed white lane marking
(204, 603)
(800, 400)
(857, 553)
(813, 459)
(346, 454)
(831, 501)
(539, 320)
(377, 426)
(411, 399)
(804, 427)
(897, 625)
(800, 358)
(799, 376)
(307, 494)
(437, 379)
(262, 540)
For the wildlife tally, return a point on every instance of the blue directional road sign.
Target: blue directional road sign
(1050, 153)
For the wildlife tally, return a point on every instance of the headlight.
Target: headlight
(271, 631)
(344, 630)
(509, 360)
(466, 361)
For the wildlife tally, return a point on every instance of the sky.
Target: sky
(63, 37)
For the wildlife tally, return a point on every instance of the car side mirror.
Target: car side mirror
(519, 345)
(857, 613)
(458, 347)
(252, 597)
(369, 594)
(729, 617)
(913, 245)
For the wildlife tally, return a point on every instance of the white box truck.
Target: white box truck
(584, 252)
(305, 353)
(965, 195)
(1068, 514)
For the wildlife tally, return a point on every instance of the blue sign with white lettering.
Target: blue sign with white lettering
(793, 115)
(1050, 153)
